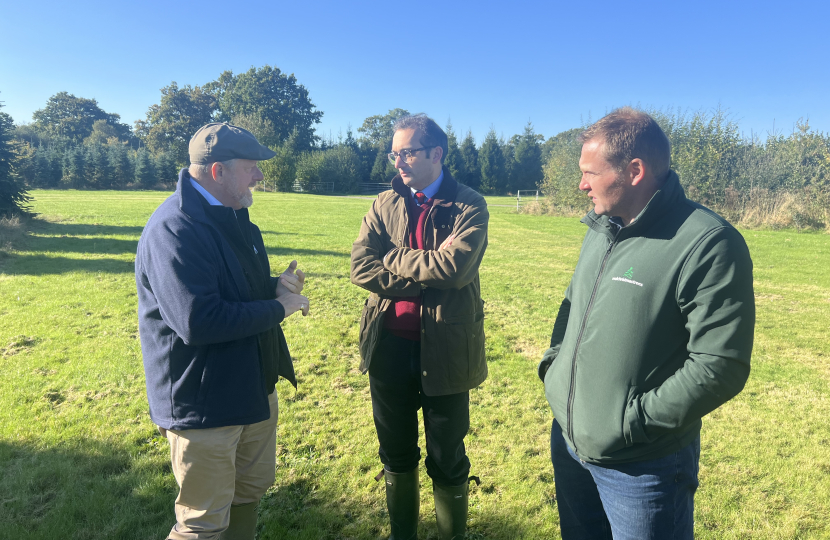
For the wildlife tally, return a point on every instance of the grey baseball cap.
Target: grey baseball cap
(222, 141)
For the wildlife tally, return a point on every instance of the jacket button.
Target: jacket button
(425, 373)
(443, 226)
(423, 330)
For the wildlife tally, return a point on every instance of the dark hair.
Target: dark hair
(628, 134)
(431, 134)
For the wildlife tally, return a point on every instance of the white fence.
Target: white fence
(530, 194)
(317, 187)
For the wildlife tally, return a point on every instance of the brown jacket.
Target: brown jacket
(452, 311)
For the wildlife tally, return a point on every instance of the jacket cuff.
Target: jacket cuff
(280, 311)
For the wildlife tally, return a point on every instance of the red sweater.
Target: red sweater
(403, 318)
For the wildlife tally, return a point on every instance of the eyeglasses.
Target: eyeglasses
(407, 155)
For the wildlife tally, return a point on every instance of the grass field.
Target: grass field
(80, 458)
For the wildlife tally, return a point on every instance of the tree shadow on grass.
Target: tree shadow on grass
(40, 226)
(90, 489)
(95, 241)
(40, 265)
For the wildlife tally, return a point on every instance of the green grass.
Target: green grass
(81, 459)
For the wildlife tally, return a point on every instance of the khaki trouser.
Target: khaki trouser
(218, 467)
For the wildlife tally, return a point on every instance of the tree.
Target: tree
(308, 169)
(341, 166)
(527, 169)
(281, 170)
(72, 117)
(378, 129)
(562, 174)
(102, 133)
(493, 169)
(165, 167)
(122, 167)
(74, 167)
(508, 150)
(99, 172)
(382, 171)
(13, 196)
(145, 174)
(454, 160)
(269, 98)
(472, 171)
(170, 124)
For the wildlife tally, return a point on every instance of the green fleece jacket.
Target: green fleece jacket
(655, 330)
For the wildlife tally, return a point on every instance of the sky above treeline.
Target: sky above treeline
(479, 64)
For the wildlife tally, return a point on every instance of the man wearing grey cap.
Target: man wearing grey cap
(209, 314)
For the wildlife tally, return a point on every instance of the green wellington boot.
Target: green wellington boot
(451, 510)
(243, 522)
(403, 502)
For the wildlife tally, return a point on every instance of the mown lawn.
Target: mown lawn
(81, 459)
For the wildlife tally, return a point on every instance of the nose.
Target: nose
(258, 176)
(399, 162)
(583, 184)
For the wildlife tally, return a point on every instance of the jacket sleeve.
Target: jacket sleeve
(715, 295)
(367, 260)
(450, 268)
(557, 336)
(180, 267)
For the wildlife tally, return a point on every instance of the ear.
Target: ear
(216, 170)
(437, 154)
(636, 171)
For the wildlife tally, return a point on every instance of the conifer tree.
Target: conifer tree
(491, 160)
(472, 170)
(13, 196)
(527, 172)
(453, 160)
(145, 176)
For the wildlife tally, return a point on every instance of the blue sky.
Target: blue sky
(480, 64)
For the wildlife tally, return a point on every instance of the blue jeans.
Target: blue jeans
(644, 500)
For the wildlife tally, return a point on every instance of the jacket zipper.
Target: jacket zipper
(571, 390)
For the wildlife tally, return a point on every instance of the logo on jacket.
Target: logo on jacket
(626, 277)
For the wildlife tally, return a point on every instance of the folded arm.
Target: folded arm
(368, 252)
(452, 267)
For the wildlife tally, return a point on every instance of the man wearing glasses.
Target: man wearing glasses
(422, 329)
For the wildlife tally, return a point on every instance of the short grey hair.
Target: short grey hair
(626, 134)
(199, 170)
(431, 133)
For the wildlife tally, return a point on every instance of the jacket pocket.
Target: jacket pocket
(370, 321)
(633, 428)
(462, 337)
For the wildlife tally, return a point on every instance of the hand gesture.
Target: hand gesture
(293, 302)
(289, 282)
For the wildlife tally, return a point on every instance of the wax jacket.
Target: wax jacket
(197, 321)
(655, 331)
(452, 311)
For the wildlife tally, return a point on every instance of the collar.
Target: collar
(213, 201)
(431, 189)
(669, 195)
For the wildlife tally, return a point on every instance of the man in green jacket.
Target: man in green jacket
(655, 332)
(422, 329)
